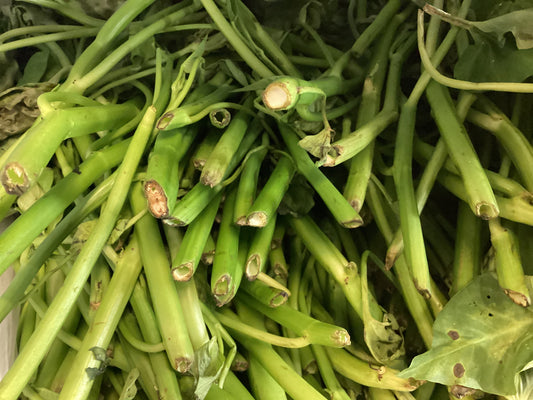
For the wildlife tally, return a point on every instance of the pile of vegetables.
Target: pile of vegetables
(229, 199)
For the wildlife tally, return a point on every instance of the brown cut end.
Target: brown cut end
(165, 120)
(426, 294)
(241, 221)
(518, 298)
(252, 267)
(157, 200)
(459, 391)
(14, 179)
(487, 211)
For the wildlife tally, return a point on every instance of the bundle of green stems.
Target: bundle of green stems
(213, 204)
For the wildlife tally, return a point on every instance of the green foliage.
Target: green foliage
(482, 340)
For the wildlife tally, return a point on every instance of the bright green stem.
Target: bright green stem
(461, 151)
(263, 385)
(508, 264)
(235, 40)
(467, 260)
(105, 321)
(165, 299)
(317, 332)
(331, 259)
(336, 203)
(366, 374)
(349, 146)
(269, 198)
(227, 269)
(512, 139)
(409, 217)
(518, 209)
(29, 359)
(88, 79)
(136, 342)
(413, 299)
(20, 234)
(162, 176)
(100, 276)
(190, 252)
(327, 373)
(232, 321)
(141, 361)
(26, 162)
(15, 292)
(104, 39)
(192, 204)
(218, 162)
(269, 293)
(248, 183)
(293, 384)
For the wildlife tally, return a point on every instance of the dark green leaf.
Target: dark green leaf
(517, 22)
(35, 67)
(487, 62)
(482, 340)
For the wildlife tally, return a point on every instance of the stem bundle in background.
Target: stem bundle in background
(296, 206)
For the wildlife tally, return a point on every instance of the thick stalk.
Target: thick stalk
(165, 299)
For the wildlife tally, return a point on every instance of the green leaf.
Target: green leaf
(517, 22)
(35, 67)
(383, 338)
(481, 340)
(486, 62)
(207, 367)
(129, 390)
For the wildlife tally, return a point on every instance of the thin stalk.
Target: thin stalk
(78, 382)
(218, 162)
(278, 263)
(268, 291)
(461, 150)
(235, 40)
(28, 360)
(227, 269)
(508, 264)
(293, 384)
(87, 79)
(331, 259)
(66, 33)
(413, 299)
(232, 321)
(512, 139)
(162, 176)
(336, 203)
(141, 361)
(317, 332)
(165, 299)
(333, 387)
(190, 252)
(137, 343)
(516, 209)
(248, 182)
(362, 372)
(165, 375)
